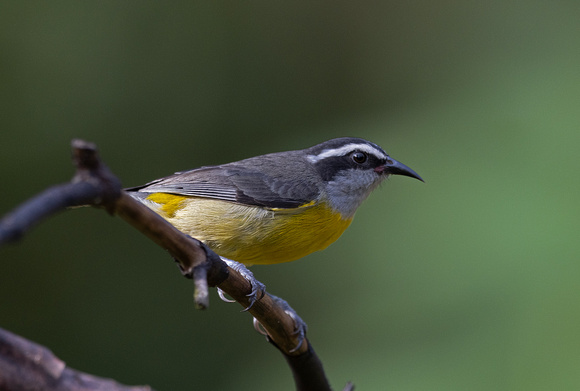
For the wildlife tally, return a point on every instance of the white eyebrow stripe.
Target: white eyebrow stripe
(344, 150)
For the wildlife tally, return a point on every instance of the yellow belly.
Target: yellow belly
(249, 234)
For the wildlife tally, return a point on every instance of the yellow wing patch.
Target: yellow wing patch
(169, 203)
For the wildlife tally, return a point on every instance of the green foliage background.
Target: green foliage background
(469, 282)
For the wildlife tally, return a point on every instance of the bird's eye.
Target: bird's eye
(359, 157)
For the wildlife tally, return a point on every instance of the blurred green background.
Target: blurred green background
(467, 282)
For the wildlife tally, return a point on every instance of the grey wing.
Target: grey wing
(235, 184)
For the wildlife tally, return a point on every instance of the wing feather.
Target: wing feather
(235, 184)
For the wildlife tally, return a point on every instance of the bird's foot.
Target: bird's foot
(300, 327)
(258, 289)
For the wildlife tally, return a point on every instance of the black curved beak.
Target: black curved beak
(394, 167)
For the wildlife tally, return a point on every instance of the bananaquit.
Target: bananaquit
(277, 207)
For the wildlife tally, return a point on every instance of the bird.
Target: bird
(277, 207)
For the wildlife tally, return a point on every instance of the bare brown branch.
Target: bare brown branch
(25, 366)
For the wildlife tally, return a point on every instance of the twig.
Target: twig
(25, 365)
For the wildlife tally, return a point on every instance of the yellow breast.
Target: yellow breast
(250, 234)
